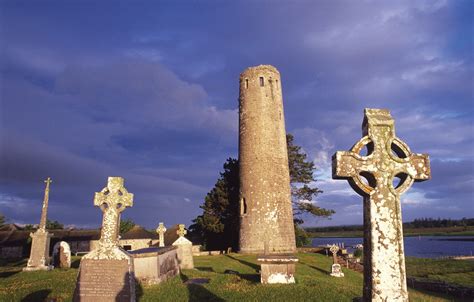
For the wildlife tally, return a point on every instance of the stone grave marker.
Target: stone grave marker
(185, 249)
(39, 255)
(336, 270)
(388, 158)
(161, 233)
(106, 273)
(61, 255)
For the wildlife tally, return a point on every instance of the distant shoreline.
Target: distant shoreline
(361, 234)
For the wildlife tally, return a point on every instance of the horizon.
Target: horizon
(149, 92)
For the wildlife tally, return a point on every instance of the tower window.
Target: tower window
(262, 82)
(243, 206)
(246, 83)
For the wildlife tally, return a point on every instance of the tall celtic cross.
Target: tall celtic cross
(44, 210)
(181, 231)
(112, 200)
(387, 159)
(161, 233)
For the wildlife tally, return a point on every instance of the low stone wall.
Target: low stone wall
(441, 287)
(210, 253)
(154, 265)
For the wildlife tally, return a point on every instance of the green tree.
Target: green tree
(2, 219)
(218, 226)
(303, 190)
(54, 225)
(126, 225)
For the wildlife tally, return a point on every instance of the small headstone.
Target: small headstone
(336, 270)
(106, 273)
(185, 249)
(161, 233)
(39, 255)
(61, 255)
(387, 158)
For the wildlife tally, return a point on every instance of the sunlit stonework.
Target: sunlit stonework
(161, 229)
(387, 159)
(112, 200)
(39, 254)
(108, 261)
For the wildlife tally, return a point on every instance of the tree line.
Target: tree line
(415, 224)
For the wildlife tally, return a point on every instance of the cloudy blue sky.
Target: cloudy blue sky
(148, 90)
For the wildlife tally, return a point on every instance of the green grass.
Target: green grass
(452, 271)
(313, 283)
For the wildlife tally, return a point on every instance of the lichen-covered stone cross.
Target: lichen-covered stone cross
(387, 158)
(181, 231)
(161, 229)
(112, 200)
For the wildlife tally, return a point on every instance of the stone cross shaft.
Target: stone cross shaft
(161, 233)
(387, 158)
(112, 200)
(44, 210)
(334, 249)
(181, 231)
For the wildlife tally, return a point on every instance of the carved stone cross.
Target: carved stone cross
(334, 249)
(112, 200)
(44, 210)
(181, 231)
(161, 233)
(388, 158)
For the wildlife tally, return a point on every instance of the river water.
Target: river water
(423, 246)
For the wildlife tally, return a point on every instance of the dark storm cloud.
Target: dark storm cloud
(149, 92)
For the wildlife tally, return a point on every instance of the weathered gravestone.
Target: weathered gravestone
(276, 267)
(106, 273)
(336, 270)
(39, 255)
(161, 233)
(185, 249)
(387, 158)
(61, 255)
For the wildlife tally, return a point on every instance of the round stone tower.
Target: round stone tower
(265, 205)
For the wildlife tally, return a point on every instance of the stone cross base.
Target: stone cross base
(38, 268)
(277, 268)
(39, 255)
(107, 275)
(336, 271)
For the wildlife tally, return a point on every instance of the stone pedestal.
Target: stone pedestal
(336, 270)
(155, 265)
(106, 276)
(39, 255)
(277, 268)
(185, 253)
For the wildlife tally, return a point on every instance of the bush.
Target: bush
(358, 253)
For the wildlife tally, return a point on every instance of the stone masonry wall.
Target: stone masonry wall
(265, 206)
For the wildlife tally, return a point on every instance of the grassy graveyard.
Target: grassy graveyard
(313, 281)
